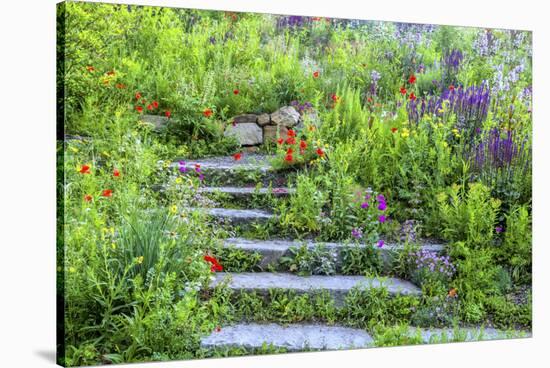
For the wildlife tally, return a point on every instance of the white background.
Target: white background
(27, 181)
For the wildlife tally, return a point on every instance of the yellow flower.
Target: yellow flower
(179, 180)
(113, 245)
(404, 132)
(445, 144)
(326, 145)
(139, 260)
(440, 111)
(440, 125)
(173, 209)
(72, 269)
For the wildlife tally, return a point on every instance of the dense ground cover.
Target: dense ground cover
(410, 131)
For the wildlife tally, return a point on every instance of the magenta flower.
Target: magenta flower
(382, 206)
(356, 233)
(201, 177)
(364, 205)
(382, 218)
(499, 229)
(380, 243)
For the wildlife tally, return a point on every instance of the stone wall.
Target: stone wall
(253, 130)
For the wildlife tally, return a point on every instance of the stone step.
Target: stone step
(299, 337)
(434, 335)
(245, 192)
(294, 337)
(273, 250)
(252, 168)
(337, 286)
(236, 216)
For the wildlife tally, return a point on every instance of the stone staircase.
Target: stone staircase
(238, 179)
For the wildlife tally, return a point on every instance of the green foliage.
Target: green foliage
(305, 260)
(517, 245)
(469, 214)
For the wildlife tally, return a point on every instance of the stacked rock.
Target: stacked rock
(253, 130)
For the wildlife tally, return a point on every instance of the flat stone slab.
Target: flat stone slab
(251, 161)
(294, 337)
(435, 335)
(235, 216)
(338, 286)
(273, 250)
(247, 191)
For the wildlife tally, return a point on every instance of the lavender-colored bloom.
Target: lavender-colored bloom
(499, 229)
(382, 219)
(364, 205)
(357, 233)
(382, 206)
(201, 177)
(380, 243)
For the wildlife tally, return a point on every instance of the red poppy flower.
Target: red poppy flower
(369, 100)
(451, 87)
(85, 169)
(120, 86)
(303, 144)
(107, 193)
(316, 18)
(290, 140)
(207, 112)
(215, 265)
(291, 133)
(289, 151)
(112, 72)
(167, 113)
(150, 107)
(393, 130)
(155, 104)
(288, 158)
(139, 109)
(235, 91)
(412, 96)
(138, 95)
(280, 141)
(320, 152)
(316, 74)
(237, 156)
(334, 97)
(403, 90)
(412, 79)
(116, 173)
(88, 198)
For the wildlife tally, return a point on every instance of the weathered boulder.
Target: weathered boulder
(263, 119)
(247, 134)
(286, 116)
(270, 133)
(245, 118)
